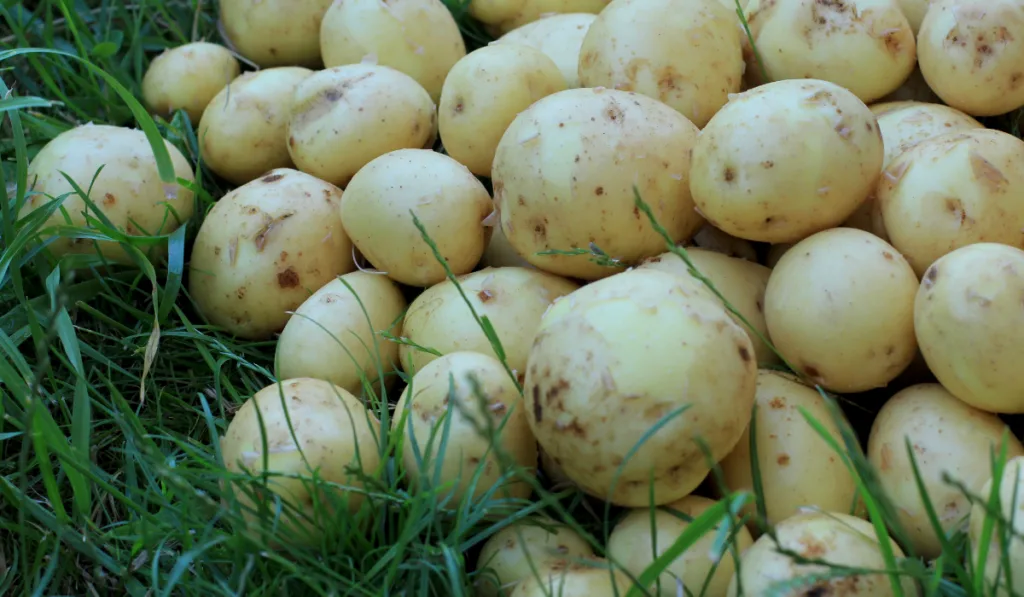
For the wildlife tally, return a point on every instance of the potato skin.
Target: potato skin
(505, 554)
(591, 578)
(947, 436)
(244, 132)
(556, 188)
(559, 36)
(500, 253)
(188, 77)
(970, 325)
(1011, 497)
(612, 359)
(128, 190)
(275, 32)
(535, 10)
(264, 248)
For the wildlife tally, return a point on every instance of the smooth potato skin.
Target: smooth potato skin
(264, 248)
(505, 554)
(1011, 496)
(970, 325)
(560, 36)
(579, 579)
(275, 32)
(188, 77)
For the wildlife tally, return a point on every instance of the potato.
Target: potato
(1011, 497)
(953, 190)
(684, 53)
(449, 201)
(559, 36)
(635, 545)
(264, 248)
(187, 78)
(493, 12)
(335, 334)
(344, 117)
(617, 356)
(483, 94)
(970, 325)
(713, 239)
(947, 437)
(864, 46)
(466, 448)
(970, 52)
(557, 188)
(244, 133)
(309, 427)
(839, 539)
(116, 167)
(798, 468)
(914, 11)
(557, 477)
(785, 160)
(512, 298)
(275, 32)
(513, 553)
(417, 37)
(591, 578)
(742, 283)
(840, 308)
(534, 10)
(500, 253)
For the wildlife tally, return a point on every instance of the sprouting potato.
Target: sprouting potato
(559, 36)
(515, 551)
(534, 10)
(275, 32)
(187, 78)
(592, 577)
(1011, 497)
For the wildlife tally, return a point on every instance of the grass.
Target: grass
(114, 392)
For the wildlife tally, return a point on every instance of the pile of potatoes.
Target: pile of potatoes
(850, 227)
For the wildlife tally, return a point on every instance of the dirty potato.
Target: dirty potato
(275, 32)
(187, 78)
(559, 36)
(512, 554)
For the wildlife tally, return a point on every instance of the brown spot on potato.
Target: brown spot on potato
(289, 278)
(291, 140)
(109, 199)
(888, 256)
(614, 113)
(574, 428)
(485, 295)
(272, 178)
(986, 172)
(729, 174)
(538, 411)
(812, 371)
(636, 212)
(782, 459)
(767, 164)
(540, 230)
(459, 106)
(240, 293)
(284, 255)
(599, 191)
(744, 354)
(261, 237)
(930, 276)
(777, 402)
(812, 547)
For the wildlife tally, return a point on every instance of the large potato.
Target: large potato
(310, 428)
(512, 298)
(953, 190)
(264, 248)
(560, 36)
(244, 131)
(187, 78)
(634, 544)
(275, 32)
(840, 308)
(449, 201)
(617, 356)
(514, 552)
(534, 10)
(947, 437)
(1011, 498)
(785, 160)
(344, 117)
(564, 174)
(483, 94)
(417, 37)
(590, 578)
(972, 54)
(116, 168)
(444, 394)
(970, 325)
(684, 53)
(335, 334)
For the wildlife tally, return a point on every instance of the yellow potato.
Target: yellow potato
(618, 356)
(713, 239)
(590, 578)
(449, 201)
(187, 78)
(493, 12)
(264, 248)
(417, 37)
(275, 32)
(556, 188)
(534, 10)
(970, 325)
(970, 54)
(560, 36)
(947, 437)
(1011, 497)
(469, 447)
(127, 191)
(953, 190)
(244, 132)
(514, 552)
(483, 94)
(840, 308)
(344, 117)
(785, 160)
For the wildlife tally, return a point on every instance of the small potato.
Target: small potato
(483, 94)
(500, 253)
(947, 437)
(534, 10)
(713, 239)
(970, 325)
(512, 298)
(556, 188)
(684, 53)
(785, 160)
(635, 545)
(417, 37)
(187, 78)
(309, 427)
(1011, 498)
(467, 448)
(560, 36)
(449, 201)
(515, 551)
(953, 190)
(331, 337)
(588, 578)
(344, 117)
(127, 191)
(864, 46)
(840, 307)
(264, 248)
(275, 32)
(971, 54)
